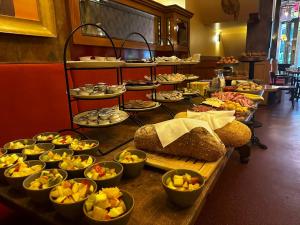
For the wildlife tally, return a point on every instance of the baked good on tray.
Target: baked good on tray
(140, 83)
(198, 143)
(139, 104)
(234, 134)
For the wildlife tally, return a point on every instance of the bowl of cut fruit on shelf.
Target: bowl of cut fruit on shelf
(109, 206)
(16, 174)
(89, 147)
(18, 145)
(45, 137)
(182, 186)
(75, 165)
(53, 157)
(68, 197)
(105, 174)
(39, 185)
(133, 162)
(64, 141)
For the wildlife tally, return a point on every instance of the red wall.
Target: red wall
(33, 97)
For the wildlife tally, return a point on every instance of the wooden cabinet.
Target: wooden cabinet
(155, 21)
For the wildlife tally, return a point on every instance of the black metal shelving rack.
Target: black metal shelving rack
(133, 113)
(68, 75)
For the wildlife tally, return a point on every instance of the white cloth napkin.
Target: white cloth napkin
(215, 119)
(170, 130)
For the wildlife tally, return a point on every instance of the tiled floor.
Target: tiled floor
(264, 192)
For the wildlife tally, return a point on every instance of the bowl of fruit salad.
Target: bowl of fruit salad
(182, 186)
(38, 185)
(8, 160)
(89, 147)
(16, 174)
(64, 141)
(45, 137)
(75, 165)
(53, 157)
(105, 174)
(18, 145)
(34, 151)
(109, 206)
(133, 162)
(68, 197)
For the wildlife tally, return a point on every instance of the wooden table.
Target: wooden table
(151, 204)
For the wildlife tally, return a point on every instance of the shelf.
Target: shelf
(189, 62)
(76, 118)
(141, 88)
(136, 65)
(143, 109)
(95, 97)
(93, 64)
(168, 63)
(170, 82)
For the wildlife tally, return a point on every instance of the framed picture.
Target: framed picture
(28, 17)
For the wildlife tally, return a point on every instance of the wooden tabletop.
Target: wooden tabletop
(151, 204)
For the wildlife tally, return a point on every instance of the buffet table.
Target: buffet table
(151, 204)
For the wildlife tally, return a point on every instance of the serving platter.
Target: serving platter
(164, 100)
(192, 78)
(94, 64)
(170, 82)
(141, 87)
(76, 118)
(104, 96)
(157, 105)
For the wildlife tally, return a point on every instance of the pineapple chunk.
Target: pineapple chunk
(115, 212)
(178, 181)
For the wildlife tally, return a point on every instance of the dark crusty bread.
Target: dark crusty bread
(198, 144)
(234, 134)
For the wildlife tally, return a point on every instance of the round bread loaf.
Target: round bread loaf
(234, 134)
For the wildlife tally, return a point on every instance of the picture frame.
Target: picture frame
(45, 26)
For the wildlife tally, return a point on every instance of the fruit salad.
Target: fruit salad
(9, 160)
(48, 178)
(52, 156)
(46, 137)
(99, 172)
(105, 204)
(33, 151)
(81, 145)
(71, 191)
(22, 169)
(183, 182)
(16, 145)
(128, 157)
(63, 140)
(75, 163)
